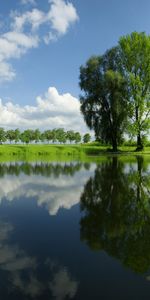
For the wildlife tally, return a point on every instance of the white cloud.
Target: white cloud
(6, 71)
(52, 110)
(19, 42)
(61, 16)
(34, 18)
(24, 32)
(14, 45)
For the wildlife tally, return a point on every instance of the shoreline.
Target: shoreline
(65, 152)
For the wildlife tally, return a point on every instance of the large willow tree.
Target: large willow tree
(104, 98)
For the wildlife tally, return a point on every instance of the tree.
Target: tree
(103, 102)
(10, 135)
(24, 137)
(16, 135)
(135, 58)
(36, 135)
(2, 135)
(54, 135)
(42, 137)
(77, 137)
(27, 136)
(48, 135)
(86, 138)
(61, 135)
(70, 136)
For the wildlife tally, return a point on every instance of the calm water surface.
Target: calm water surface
(75, 230)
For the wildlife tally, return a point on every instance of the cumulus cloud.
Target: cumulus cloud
(51, 110)
(14, 45)
(58, 18)
(61, 15)
(24, 31)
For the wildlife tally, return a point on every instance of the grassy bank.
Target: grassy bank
(48, 152)
(67, 151)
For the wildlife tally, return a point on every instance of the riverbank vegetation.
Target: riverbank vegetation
(62, 152)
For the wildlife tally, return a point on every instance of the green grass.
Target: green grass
(49, 152)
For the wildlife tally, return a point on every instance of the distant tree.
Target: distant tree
(54, 136)
(10, 135)
(86, 138)
(135, 58)
(2, 135)
(31, 135)
(37, 135)
(27, 136)
(77, 137)
(103, 102)
(17, 135)
(61, 135)
(70, 136)
(42, 137)
(48, 135)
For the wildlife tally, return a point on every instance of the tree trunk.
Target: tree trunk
(139, 143)
(139, 140)
(114, 145)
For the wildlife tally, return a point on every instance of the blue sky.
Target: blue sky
(42, 45)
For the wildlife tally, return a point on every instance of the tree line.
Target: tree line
(58, 135)
(115, 99)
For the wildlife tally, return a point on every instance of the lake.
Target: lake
(75, 230)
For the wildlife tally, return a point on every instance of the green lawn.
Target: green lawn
(67, 151)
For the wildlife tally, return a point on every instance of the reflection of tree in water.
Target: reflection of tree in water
(116, 212)
(44, 169)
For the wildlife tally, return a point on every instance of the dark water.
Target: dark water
(75, 230)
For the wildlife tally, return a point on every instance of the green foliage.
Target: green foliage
(10, 135)
(104, 103)
(86, 138)
(70, 136)
(48, 135)
(135, 59)
(77, 137)
(2, 135)
(37, 135)
(61, 135)
(17, 135)
(57, 135)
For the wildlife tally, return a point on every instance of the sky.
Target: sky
(43, 43)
